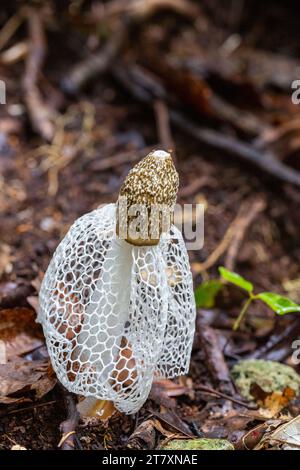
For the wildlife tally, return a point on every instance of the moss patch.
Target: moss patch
(198, 444)
(269, 375)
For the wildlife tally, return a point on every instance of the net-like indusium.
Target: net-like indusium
(115, 315)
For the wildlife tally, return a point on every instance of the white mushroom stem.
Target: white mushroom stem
(114, 283)
(110, 301)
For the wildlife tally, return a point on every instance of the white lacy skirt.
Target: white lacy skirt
(115, 315)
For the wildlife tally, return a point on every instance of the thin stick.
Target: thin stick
(225, 242)
(241, 228)
(39, 113)
(120, 159)
(95, 64)
(14, 53)
(28, 408)
(196, 185)
(163, 127)
(215, 361)
(10, 28)
(223, 395)
(265, 161)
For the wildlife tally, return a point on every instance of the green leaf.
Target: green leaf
(280, 305)
(235, 279)
(206, 293)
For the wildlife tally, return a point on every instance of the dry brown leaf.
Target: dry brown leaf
(144, 436)
(19, 378)
(163, 390)
(170, 434)
(170, 388)
(253, 437)
(19, 332)
(271, 403)
(174, 421)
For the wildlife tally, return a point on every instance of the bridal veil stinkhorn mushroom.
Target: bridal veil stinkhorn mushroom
(118, 311)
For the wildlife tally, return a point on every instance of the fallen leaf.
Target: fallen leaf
(253, 437)
(13, 293)
(143, 437)
(271, 402)
(227, 424)
(19, 378)
(172, 419)
(19, 332)
(285, 437)
(165, 432)
(164, 390)
(170, 388)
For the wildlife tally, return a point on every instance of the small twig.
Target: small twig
(68, 427)
(10, 28)
(95, 64)
(120, 159)
(214, 356)
(203, 388)
(288, 334)
(140, 10)
(241, 227)
(163, 127)
(38, 111)
(265, 161)
(15, 53)
(225, 242)
(234, 235)
(196, 185)
(28, 408)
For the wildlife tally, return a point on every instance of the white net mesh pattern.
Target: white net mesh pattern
(115, 315)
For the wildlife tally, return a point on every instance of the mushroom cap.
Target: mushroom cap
(154, 180)
(152, 183)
